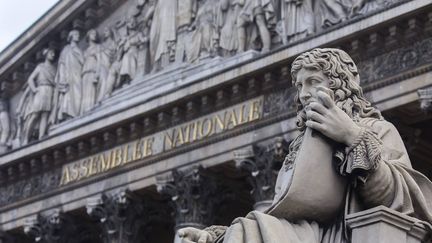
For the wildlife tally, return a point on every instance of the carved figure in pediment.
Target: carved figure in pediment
(297, 19)
(333, 12)
(260, 16)
(5, 126)
(205, 37)
(186, 15)
(109, 49)
(361, 7)
(36, 104)
(68, 92)
(163, 33)
(94, 71)
(129, 49)
(226, 19)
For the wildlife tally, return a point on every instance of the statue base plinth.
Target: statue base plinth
(381, 224)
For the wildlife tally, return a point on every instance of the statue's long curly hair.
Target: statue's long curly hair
(344, 79)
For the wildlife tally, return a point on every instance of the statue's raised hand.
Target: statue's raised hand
(193, 235)
(330, 120)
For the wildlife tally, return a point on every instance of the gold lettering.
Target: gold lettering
(126, 154)
(136, 153)
(219, 122)
(242, 119)
(168, 140)
(232, 119)
(74, 175)
(148, 147)
(254, 112)
(195, 130)
(187, 133)
(206, 131)
(84, 170)
(105, 162)
(93, 168)
(117, 158)
(65, 179)
(179, 137)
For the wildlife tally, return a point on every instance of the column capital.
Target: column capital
(263, 164)
(123, 216)
(193, 196)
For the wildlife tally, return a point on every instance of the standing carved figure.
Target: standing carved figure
(333, 12)
(94, 71)
(130, 46)
(227, 15)
(260, 13)
(365, 160)
(5, 126)
(41, 87)
(186, 15)
(163, 33)
(68, 93)
(109, 49)
(297, 19)
(205, 37)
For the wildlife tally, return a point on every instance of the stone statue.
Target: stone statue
(262, 14)
(163, 33)
(109, 49)
(361, 7)
(186, 15)
(227, 15)
(297, 20)
(5, 126)
(68, 92)
(40, 96)
(363, 149)
(205, 37)
(94, 71)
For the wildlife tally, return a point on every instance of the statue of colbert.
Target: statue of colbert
(368, 160)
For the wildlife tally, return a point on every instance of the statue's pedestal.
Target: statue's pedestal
(384, 225)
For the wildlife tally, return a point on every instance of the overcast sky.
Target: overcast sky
(17, 15)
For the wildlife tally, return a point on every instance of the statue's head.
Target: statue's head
(333, 69)
(92, 36)
(74, 36)
(48, 54)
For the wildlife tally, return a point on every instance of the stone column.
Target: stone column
(381, 224)
(425, 96)
(57, 227)
(262, 164)
(193, 196)
(123, 216)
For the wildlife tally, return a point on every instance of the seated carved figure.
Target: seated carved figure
(365, 151)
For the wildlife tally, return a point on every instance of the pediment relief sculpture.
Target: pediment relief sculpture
(157, 33)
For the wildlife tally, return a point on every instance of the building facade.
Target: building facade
(124, 120)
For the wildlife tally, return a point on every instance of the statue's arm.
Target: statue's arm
(378, 161)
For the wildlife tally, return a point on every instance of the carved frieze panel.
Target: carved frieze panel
(142, 38)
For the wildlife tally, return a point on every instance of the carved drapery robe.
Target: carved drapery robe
(229, 11)
(297, 20)
(106, 86)
(163, 29)
(381, 174)
(131, 49)
(333, 11)
(44, 82)
(94, 72)
(68, 83)
(205, 34)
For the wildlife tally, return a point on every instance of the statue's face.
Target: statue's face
(92, 35)
(50, 55)
(75, 37)
(307, 84)
(107, 33)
